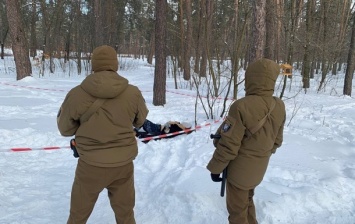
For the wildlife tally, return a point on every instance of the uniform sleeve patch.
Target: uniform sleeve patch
(226, 127)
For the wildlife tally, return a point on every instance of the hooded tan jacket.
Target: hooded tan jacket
(247, 158)
(107, 138)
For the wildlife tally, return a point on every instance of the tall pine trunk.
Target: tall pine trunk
(351, 63)
(160, 54)
(18, 38)
(258, 30)
(187, 65)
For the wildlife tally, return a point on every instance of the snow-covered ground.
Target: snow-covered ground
(311, 178)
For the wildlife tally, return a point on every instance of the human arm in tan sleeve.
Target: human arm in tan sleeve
(142, 112)
(232, 132)
(279, 138)
(67, 126)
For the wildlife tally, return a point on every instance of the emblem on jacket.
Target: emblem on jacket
(226, 127)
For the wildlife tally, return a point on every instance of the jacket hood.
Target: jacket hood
(260, 77)
(104, 58)
(105, 84)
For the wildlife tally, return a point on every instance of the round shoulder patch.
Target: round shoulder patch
(226, 127)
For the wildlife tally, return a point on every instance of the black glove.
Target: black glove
(215, 177)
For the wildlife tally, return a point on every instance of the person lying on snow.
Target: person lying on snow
(150, 129)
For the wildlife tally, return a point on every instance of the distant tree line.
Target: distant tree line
(315, 36)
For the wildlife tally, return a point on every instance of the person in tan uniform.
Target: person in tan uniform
(246, 143)
(105, 142)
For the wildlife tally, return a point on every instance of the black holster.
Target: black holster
(73, 147)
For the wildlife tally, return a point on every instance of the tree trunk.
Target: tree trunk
(151, 47)
(258, 30)
(4, 28)
(159, 98)
(204, 38)
(79, 43)
(181, 48)
(19, 41)
(279, 12)
(325, 63)
(206, 54)
(33, 37)
(306, 57)
(59, 10)
(99, 33)
(235, 60)
(120, 24)
(187, 66)
(46, 32)
(351, 63)
(270, 30)
(200, 34)
(343, 24)
(2, 43)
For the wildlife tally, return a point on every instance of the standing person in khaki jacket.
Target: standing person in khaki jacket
(246, 153)
(105, 141)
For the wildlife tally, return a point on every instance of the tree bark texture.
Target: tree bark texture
(19, 41)
(351, 63)
(99, 33)
(258, 30)
(188, 41)
(270, 29)
(306, 57)
(159, 96)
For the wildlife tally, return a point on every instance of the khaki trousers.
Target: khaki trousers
(91, 180)
(240, 205)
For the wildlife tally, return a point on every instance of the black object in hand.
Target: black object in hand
(216, 177)
(215, 136)
(73, 147)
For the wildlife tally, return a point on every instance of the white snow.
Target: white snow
(310, 179)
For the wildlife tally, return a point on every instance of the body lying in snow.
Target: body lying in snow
(150, 129)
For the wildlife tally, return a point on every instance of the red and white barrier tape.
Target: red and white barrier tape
(61, 90)
(166, 135)
(26, 149)
(30, 87)
(184, 94)
(177, 133)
